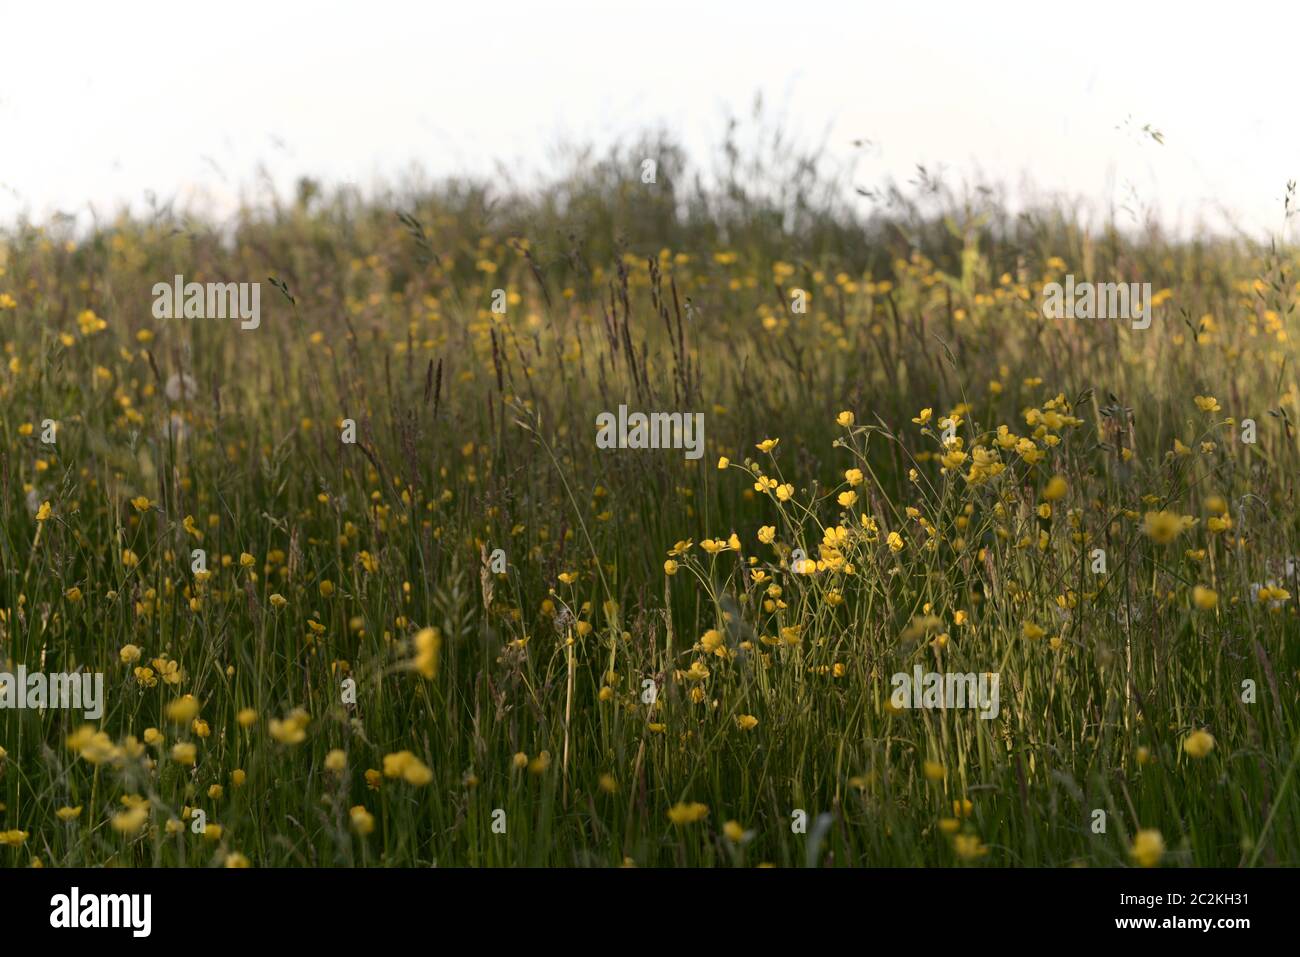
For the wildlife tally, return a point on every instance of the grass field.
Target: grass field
(346, 676)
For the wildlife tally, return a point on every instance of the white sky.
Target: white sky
(100, 103)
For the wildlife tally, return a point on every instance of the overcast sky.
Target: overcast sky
(101, 103)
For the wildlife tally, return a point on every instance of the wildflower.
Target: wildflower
(968, 847)
(670, 567)
(1198, 744)
(844, 419)
(292, 730)
(746, 722)
(683, 813)
(1163, 527)
(182, 710)
(1148, 847)
(44, 512)
(184, 752)
(1204, 598)
(428, 645)
(363, 822)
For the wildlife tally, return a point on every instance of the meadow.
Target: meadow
(470, 636)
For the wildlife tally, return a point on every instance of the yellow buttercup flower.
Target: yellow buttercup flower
(1148, 847)
(1198, 744)
(683, 813)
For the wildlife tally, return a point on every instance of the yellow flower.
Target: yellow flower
(246, 560)
(844, 418)
(141, 503)
(968, 847)
(363, 822)
(1056, 489)
(292, 730)
(568, 577)
(1204, 598)
(520, 761)
(336, 761)
(183, 710)
(405, 765)
(236, 861)
(670, 567)
(247, 717)
(44, 512)
(934, 771)
(767, 445)
(895, 542)
(853, 476)
(683, 813)
(924, 417)
(733, 831)
(238, 777)
(847, 499)
(1207, 403)
(767, 534)
(723, 462)
(1163, 527)
(73, 594)
(746, 722)
(130, 654)
(1198, 744)
(1032, 631)
(68, 813)
(129, 558)
(278, 601)
(326, 589)
(428, 646)
(184, 752)
(1148, 847)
